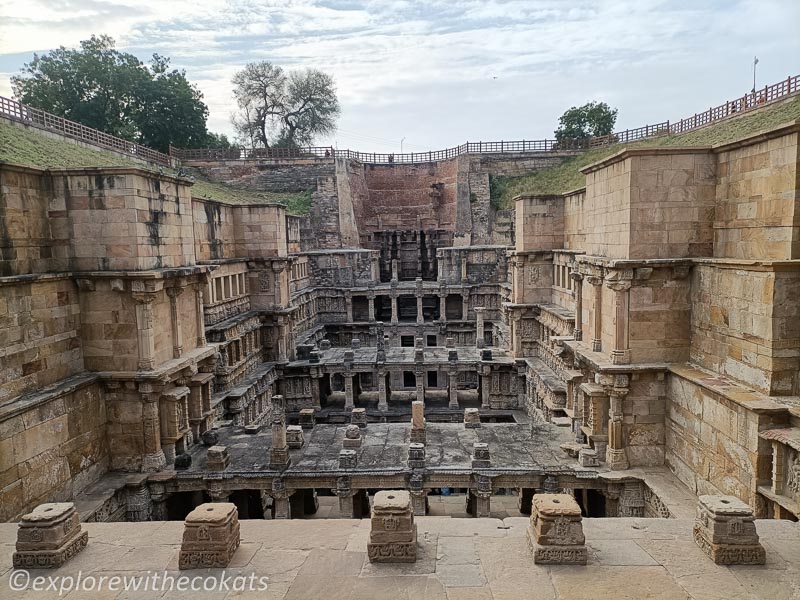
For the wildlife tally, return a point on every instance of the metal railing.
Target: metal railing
(23, 113)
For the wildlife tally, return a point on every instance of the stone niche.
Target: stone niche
(210, 536)
(49, 536)
(393, 534)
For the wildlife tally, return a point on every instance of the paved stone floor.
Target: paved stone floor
(464, 559)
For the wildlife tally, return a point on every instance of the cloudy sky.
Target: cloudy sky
(441, 72)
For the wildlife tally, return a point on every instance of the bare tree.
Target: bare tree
(283, 109)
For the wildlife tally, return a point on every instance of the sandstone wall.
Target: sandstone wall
(643, 419)
(52, 445)
(745, 324)
(758, 200)
(40, 324)
(712, 434)
(213, 230)
(473, 264)
(272, 175)
(539, 223)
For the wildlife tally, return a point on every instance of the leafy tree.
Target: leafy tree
(283, 109)
(217, 140)
(590, 120)
(113, 91)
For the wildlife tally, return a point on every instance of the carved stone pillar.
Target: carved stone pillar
(452, 388)
(420, 316)
(153, 458)
(348, 391)
(175, 321)
(464, 304)
(139, 506)
(483, 497)
(395, 269)
(394, 305)
(280, 500)
(200, 320)
(383, 403)
(485, 383)
(443, 308)
(419, 377)
(620, 354)
(348, 303)
(616, 457)
(578, 279)
(146, 330)
(479, 333)
(315, 399)
(279, 452)
(371, 305)
(216, 492)
(345, 493)
(597, 313)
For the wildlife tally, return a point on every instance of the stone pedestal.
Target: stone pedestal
(393, 535)
(217, 458)
(294, 437)
(416, 456)
(472, 418)
(359, 417)
(352, 437)
(308, 418)
(49, 536)
(210, 536)
(725, 530)
(587, 457)
(418, 422)
(555, 534)
(348, 459)
(480, 455)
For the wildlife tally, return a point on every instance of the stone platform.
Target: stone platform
(479, 558)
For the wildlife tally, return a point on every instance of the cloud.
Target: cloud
(438, 72)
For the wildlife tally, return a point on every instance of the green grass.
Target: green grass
(567, 175)
(23, 146)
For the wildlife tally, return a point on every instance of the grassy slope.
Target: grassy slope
(567, 176)
(28, 147)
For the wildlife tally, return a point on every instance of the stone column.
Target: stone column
(345, 493)
(479, 334)
(139, 506)
(420, 384)
(348, 391)
(371, 305)
(348, 302)
(280, 499)
(483, 497)
(217, 494)
(578, 279)
(395, 270)
(443, 308)
(279, 452)
(199, 314)
(394, 306)
(146, 330)
(616, 458)
(419, 293)
(175, 321)
(486, 382)
(597, 313)
(153, 458)
(464, 304)
(383, 403)
(620, 354)
(315, 399)
(452, 388)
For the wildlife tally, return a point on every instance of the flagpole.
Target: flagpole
(755, 62)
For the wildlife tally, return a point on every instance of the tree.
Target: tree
(113, 91)
(283, 109)
(590, 120)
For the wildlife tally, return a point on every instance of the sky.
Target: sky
(433, 74)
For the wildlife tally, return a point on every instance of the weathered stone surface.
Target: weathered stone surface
(472, 418)
(725, 530)
(393, 534)
(555, 534)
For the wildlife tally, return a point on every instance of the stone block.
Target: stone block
(359, 417)
(472, 418)
(217, 458)
(251, 429)
(555, 534)
(587, 457)
(294, 437)
(49, 536)
(209, 438)
(352, 437)
(725, 530)
(308, 418)
(210, 536)
(393, 534)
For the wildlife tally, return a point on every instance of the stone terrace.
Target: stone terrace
(457, 558)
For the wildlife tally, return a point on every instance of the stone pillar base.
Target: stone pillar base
(393, 534)
(210, 536)
(49, 536)
(616, 459)
(555, 534)
(279, 458)
(153, 462)
(725, 530)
